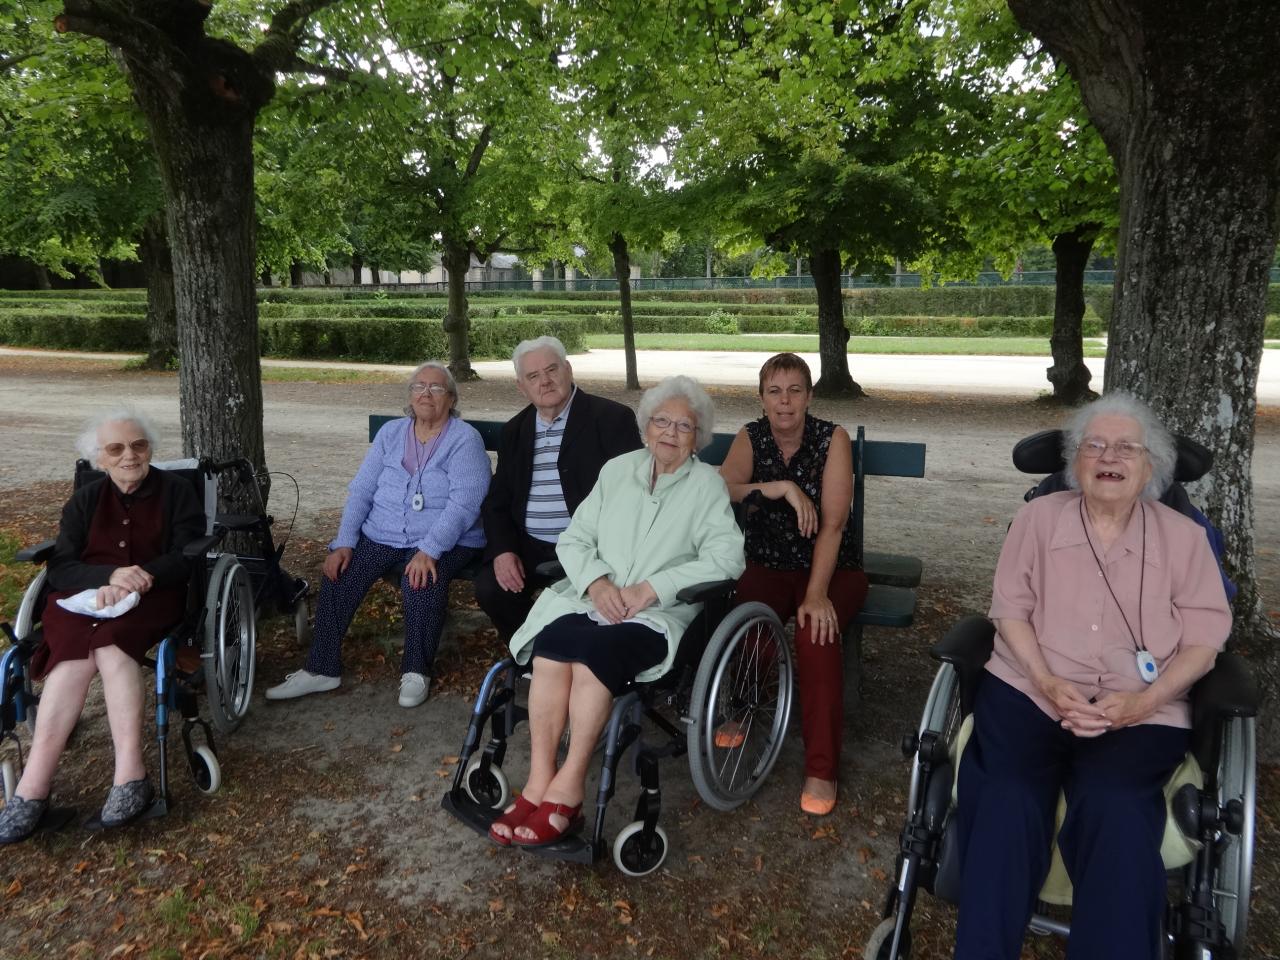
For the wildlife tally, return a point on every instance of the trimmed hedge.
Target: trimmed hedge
(349, 310)
(92, 293)
(72, 331)
(928, 326)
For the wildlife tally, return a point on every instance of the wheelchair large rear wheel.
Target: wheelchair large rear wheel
(29, 608)
(1237, 783)
(941, 716)
(739, 706)
(230, 635)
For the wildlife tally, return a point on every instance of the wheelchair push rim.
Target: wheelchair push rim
(1234, 875)
(941, 716)
(745, 678)
(230, 635)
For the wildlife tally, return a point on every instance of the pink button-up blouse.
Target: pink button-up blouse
(1047, 575)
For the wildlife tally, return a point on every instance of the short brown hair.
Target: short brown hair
(785, 363)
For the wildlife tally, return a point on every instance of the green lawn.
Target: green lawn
(808, 343)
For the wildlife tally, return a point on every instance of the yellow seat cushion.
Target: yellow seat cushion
(1176, 849)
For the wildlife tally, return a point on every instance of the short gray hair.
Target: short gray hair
(538, 343)
(448, 382)
(689, 390)
(1162, 449)
(87, 442)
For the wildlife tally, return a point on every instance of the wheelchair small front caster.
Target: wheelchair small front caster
(637, 855)
(487, 788)
(881, 941)
(302, 622)
(205, 769)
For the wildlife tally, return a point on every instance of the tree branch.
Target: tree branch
(10, 62)
(278, 50)
(477, 152)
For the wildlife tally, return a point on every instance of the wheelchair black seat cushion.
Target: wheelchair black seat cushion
(1041, 453)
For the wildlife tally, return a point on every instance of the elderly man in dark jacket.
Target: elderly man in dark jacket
(548, 460)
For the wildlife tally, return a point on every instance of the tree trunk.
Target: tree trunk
(295, 273)
(162, 317)
(42, 277)
(457, 261)
(833, 337)
(265, 279)
(357, 269)
(1069, 375)
(708, 263)
(375, 274)
(1186, 97)
(622, 270)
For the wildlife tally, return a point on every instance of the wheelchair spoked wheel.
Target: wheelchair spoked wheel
(1237, 784)
(23, 623)
(230, 635)
(941, 716)
(739, 706)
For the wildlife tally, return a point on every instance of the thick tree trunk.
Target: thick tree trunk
(162, 317)
(622, 270)
(42, 277)
(457, 261)
(357, 269)
(1186, 96)
(295, 274)
(1069, 375)
(833, 337)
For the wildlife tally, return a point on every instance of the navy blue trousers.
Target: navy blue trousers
(1010, 776)
(424, 610)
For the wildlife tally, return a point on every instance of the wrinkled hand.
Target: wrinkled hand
(421, 571)
(336, 562)
(509, 571)
(1127, 709)
(1079, 716)
(818, 612)
(607, 598)
(638, 596)
(108, 595)
(133, 579)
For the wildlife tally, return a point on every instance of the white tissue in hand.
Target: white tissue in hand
(86, 602)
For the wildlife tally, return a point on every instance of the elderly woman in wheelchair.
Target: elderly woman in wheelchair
(657, 521)
(1077, 705)
(120, 545)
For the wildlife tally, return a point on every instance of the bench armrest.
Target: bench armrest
(36, 553)
(967, 646)
(200, 546)
(701, 592)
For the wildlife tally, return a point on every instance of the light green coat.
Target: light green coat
(681, 534)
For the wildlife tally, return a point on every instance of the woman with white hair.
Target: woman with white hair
(1108, 606)
(121, 538)
(657, 521)
(414, 502)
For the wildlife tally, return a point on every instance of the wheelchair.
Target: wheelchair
(1209, 834)
(212, 650)
(733, 665)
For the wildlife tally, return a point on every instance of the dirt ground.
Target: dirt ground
(328, 838)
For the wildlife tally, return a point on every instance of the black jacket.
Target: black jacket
(597, 431)
(184, 521)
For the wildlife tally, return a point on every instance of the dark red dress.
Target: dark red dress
(123, 530)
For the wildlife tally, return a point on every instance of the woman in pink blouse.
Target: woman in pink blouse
(1108, 606)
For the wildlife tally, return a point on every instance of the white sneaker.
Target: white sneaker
(300, 683)
(413, 689)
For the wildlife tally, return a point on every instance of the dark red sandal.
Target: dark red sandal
(540, 823)
(513, 818)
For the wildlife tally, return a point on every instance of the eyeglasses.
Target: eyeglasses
(435, 389)
(666, 423)
(1124, 449)
(117, 449)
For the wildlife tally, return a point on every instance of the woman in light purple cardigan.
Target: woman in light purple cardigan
(414, 505)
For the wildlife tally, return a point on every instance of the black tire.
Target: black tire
(230, 636)
(881, 940)
(637, 855)
(744, 677)
(1237, 781)
(488, 788)
(302, 622)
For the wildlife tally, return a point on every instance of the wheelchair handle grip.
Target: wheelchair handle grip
(240, 464)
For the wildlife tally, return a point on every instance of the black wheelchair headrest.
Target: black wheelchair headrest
(1041, 453)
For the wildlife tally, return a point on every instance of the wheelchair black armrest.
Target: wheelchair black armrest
(701, 592)
(967, 646)
(1228, 690)
(550, 569)
(200, 546)
(36, 553)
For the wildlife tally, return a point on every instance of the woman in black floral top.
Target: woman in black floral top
(796, 474)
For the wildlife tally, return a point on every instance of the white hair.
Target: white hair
(539, 343)
(1162, 450)
(87, 443)
(689, 390)
(448, 382)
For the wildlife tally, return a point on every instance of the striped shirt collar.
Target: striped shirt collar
(560, 417)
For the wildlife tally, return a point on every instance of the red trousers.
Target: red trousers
(819, 669)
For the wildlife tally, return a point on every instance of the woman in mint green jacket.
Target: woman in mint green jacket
(658, 520)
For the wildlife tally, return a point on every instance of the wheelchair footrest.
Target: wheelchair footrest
(574, 848)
